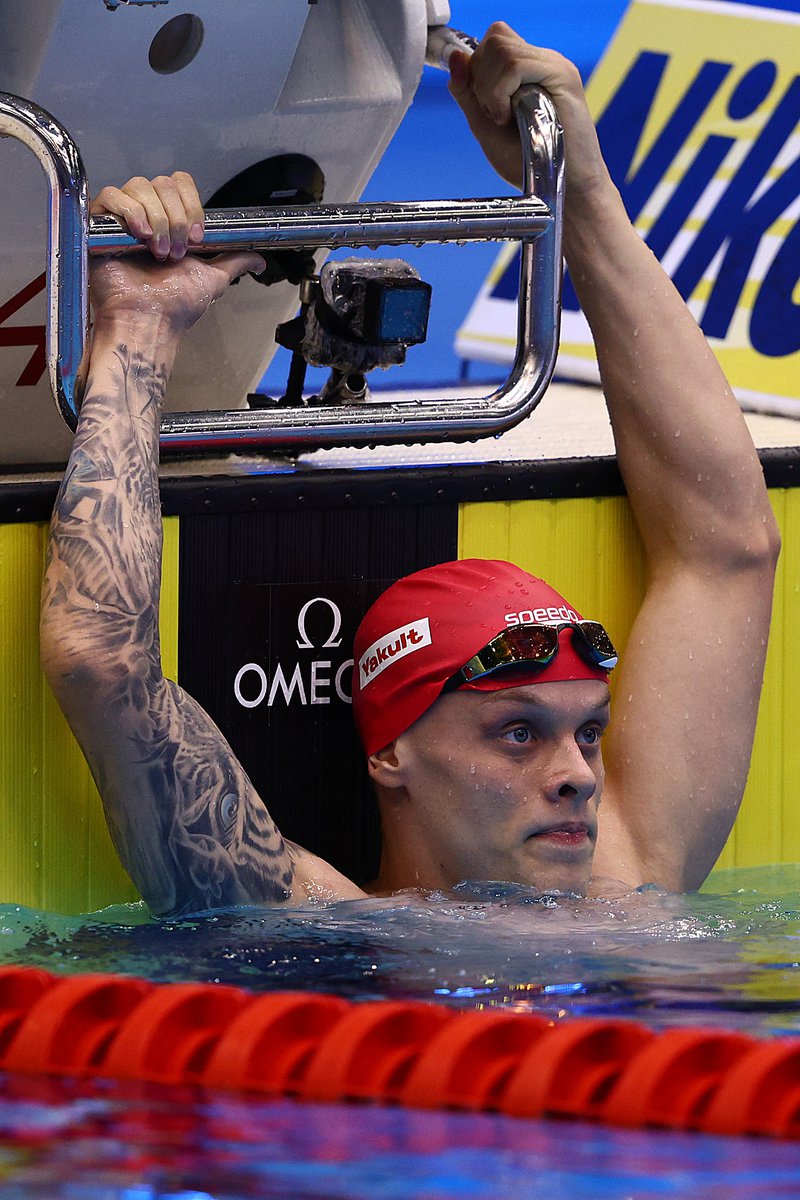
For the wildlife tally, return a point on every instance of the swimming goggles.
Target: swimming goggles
(535, 646)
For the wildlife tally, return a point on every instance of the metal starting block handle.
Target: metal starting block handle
(535, 219)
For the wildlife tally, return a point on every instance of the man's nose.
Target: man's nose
(570, 776)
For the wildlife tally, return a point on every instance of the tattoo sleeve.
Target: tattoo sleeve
(186, 821)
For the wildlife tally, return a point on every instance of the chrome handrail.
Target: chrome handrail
(335, 225)
(67, 319)
(535, 219)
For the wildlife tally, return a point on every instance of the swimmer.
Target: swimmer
(481, 695)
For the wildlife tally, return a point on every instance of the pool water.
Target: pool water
(728, 957)
(58, 1143)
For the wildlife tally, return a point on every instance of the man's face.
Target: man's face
(505, 785)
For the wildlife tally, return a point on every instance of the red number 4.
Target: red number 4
(25, 335)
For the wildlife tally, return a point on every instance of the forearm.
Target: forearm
(689, 465)
(102, 580)
(99, 613)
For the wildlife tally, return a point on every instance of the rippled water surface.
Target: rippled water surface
(727, 956)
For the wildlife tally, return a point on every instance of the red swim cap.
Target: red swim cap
(428, 625)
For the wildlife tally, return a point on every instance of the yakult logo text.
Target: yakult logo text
(538, 616)
(391, 647)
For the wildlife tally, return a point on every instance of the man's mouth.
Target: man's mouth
(567, 834)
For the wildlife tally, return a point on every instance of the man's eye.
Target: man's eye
(591, 735)
(519, 735)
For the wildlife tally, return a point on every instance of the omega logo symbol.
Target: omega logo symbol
(308, 683)
(332, 642)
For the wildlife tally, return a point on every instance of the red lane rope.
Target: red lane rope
(317, 1047)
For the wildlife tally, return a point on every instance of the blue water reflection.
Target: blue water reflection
(60, 1143)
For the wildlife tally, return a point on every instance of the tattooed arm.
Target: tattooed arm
(185, 820)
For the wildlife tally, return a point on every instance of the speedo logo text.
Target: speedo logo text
(391, 647)
(541, 616)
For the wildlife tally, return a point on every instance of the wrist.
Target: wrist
(594, 219)
(150, 333)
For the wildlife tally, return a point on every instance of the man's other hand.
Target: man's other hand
(484, 83)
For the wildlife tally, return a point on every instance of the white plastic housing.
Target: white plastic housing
(330, 80)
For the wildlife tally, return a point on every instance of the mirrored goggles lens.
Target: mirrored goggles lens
(536, 646)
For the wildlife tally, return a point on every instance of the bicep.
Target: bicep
(684, 712)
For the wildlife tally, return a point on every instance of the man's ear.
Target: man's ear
(385, 769)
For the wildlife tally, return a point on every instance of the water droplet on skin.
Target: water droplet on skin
(472, 768)
(96, 607)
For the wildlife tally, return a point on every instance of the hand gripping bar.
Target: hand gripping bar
(535, 219)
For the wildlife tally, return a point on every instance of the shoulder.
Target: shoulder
(316, 880)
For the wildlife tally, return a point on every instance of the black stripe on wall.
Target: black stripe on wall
(32, 500)
(244, 580)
